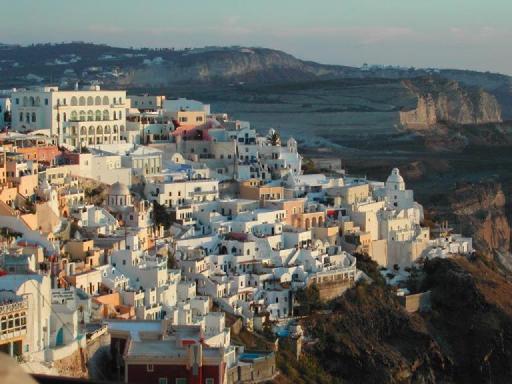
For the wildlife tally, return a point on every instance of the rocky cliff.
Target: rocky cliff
(447, 101)
(368, 338)
(481, 210)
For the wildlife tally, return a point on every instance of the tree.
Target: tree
(161, 216)
(274, 138)
(309, 299)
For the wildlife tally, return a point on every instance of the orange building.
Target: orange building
(293, 207)
(307, 220)
(41, 154)
(251, 190)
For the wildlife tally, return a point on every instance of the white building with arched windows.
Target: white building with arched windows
(80, 118)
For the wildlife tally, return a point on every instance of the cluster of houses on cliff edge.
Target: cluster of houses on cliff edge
(159, 222)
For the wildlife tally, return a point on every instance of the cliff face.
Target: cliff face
(466, 338)
(445, 101)
(481, 210)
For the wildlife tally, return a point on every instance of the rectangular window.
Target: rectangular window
(149, 367)
(181, 380)
(209, 380)
(162, 380)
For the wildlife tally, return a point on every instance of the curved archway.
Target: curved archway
(105, 115)
(105, 100)
(90, 115)
(97, 100)
(98, 115)
(81, 100)
(99, 130)
(91, 130)
(74, 101)
(90, 100)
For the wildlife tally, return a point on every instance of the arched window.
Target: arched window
(99, 130)
(38, 100)
(98, 115)
(58, 116)
(81, 101)
(82, 115)
(90, 115)
(64, 116)
(105, 115)
(115, 115)
(83, 131)
(107, 129)
(33, 117)
(105, 100)
(120, 115)
(114, 100)
(74, 101)
(74, 116)
(90, 100)
(27, 117)
(32, 101)
(91, 130)
(97, 100)
(115, 128)
(25, 101)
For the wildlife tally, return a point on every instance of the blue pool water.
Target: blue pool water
(251, 356)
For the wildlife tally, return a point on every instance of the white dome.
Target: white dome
(395, 176)
(119, 189)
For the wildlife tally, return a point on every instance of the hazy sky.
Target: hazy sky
(473, 34)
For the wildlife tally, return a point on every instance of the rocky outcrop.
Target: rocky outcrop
(481, 211)
(424, 116)
(368, 338)
(446, 101)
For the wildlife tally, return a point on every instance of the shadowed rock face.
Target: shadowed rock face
(466, 338)
(481, 209)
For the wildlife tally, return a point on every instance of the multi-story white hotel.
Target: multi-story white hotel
(79, 118)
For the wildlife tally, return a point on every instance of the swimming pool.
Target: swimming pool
(249, 356)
